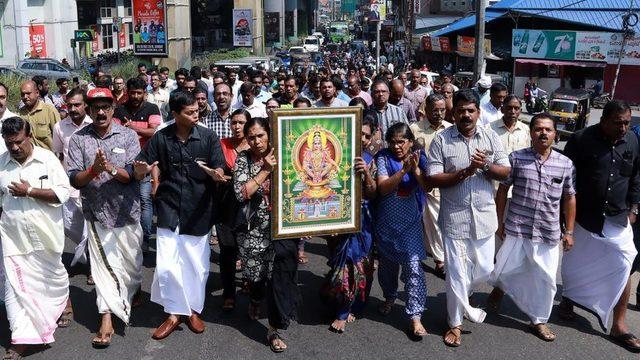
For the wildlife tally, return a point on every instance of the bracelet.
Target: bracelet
(29, 191)
(90, 169)
(570, 233)
(256, 181)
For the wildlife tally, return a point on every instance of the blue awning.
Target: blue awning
(469, 21)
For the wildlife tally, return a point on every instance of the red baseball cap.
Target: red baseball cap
(99, 93)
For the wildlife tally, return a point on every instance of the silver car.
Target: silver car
(50, 68)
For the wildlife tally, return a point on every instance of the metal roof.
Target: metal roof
(605, 14)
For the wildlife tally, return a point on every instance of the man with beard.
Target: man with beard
(42, 83)
(425, 131)
(490, 111)
(5, 113)
(313, 89)
(74, 224)
(220, 119)
(42, 117)
(180, 75)
(159, 96)
(261, 94)
(142, 117)
(59, 97)
(354, 90)
(186, 212)
(467, 215)
(167, 83)
(289, 94)
(249, 102)
(33, 184)
(328, 99)
(396, 97)
(119, 91)
(414, 92)
(596, 273)
(527, 262)
(100, 164)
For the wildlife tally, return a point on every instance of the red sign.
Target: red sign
(96, 35)
(38, 41)
(122, 36)
(440, 44)
(444, 44)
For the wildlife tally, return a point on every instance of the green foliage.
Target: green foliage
(203, 60)
(13, 84)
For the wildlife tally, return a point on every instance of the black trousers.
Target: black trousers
(283, 295)
(228, 258)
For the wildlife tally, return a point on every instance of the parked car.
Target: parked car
(297, 50)
(269, 63)
(8, 71)
(50, 68)
(311, 44)
(319, 36)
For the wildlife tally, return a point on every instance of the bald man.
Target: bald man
(42, 117)
(414, 92)
(396, 97)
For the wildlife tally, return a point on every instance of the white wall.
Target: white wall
(60, 18)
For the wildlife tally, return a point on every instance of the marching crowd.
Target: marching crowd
(449, 173)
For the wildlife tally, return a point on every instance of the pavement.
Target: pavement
(234, 336)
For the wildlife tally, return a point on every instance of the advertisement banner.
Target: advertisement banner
(377, 10)
(434, 43)
(631, 50)
(37, 41)
(271, 27)
(96, 35)
(150, 28)
(466, 45)
(122, 36)
(543, 44)
(592, 46)
(242, 27)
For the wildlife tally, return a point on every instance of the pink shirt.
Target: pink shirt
(366, 97)
(62, 132)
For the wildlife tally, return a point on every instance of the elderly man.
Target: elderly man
(249, 102)
(396, 97)
(220, 119)
(159, 96)
(425, 131)
(101, 165)
(187, 155)
(527, 262)
(482, 89)
(491, 111)
(513, 133)
(463, 161)
(387, 114)
(42, 117)
(328, 95)
(33, 184)
(354, 90)
(414, 92)
(74, 225)
(595, 274)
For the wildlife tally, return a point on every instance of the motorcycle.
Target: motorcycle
(599, 101)
(537, 102)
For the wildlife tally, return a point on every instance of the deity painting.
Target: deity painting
(315, 184)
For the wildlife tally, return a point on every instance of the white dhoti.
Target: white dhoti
(2, 277)
(526, 271)
(468, 263)
(432, 235)
(116, 261)
(75, 229)
(182, 269)
(37, 289)
(596, 270)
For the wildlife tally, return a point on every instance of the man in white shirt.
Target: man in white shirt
(167, 83)
(249, 102)
(328, 95)
(33, 184)
(159, 96)
(4, 114)
(513, 133)
(74, 224)
(491, 111)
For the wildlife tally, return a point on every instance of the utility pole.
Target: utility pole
(408, 28)
(378, 26)
(478, 62)
(629, 20)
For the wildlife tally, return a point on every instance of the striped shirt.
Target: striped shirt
(222, 127)
(538, 186)
(408, 109)
(390, 115)
(467, 210)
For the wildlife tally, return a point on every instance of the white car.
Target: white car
(311, 44)
(319, 36)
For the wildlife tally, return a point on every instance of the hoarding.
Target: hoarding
(150, 28)
(37, 41)
(242, 27)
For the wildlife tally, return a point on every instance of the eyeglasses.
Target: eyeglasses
(103, 107)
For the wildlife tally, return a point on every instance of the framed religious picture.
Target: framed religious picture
(315, 190)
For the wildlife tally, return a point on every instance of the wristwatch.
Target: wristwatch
(634, 211)
(486, 166)
(114, 171)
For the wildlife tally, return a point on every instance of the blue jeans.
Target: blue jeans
(146, 209)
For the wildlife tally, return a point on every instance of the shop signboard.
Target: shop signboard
(150, 28)
(377, 10)
(592, 46)
(467, 44)
(242, 27)
(434, 43)
(631, 50)
(37, 41)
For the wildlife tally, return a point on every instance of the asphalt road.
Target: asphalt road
(233, 336)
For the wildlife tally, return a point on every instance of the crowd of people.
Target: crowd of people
(449, 173)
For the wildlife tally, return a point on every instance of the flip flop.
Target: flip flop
(335, 329)
(272, 337)
(385, 308)
(458, 340)
(229, 305)
(65, 319)
(103, 341)
(623, 340)
(543, 332)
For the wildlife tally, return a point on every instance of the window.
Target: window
(54, 67)
(107, 8)
(130, 32)
(127, 8)
(106, 32)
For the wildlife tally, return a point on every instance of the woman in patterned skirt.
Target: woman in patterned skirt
(398, 226)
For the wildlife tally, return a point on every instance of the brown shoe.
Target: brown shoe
(195, 324)
(167, 327)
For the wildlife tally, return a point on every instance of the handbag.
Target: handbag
(242, 222)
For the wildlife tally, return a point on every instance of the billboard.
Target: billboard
(377, 10)
(150, 28)
(242, 27)
(37, 41)
(434, 43)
